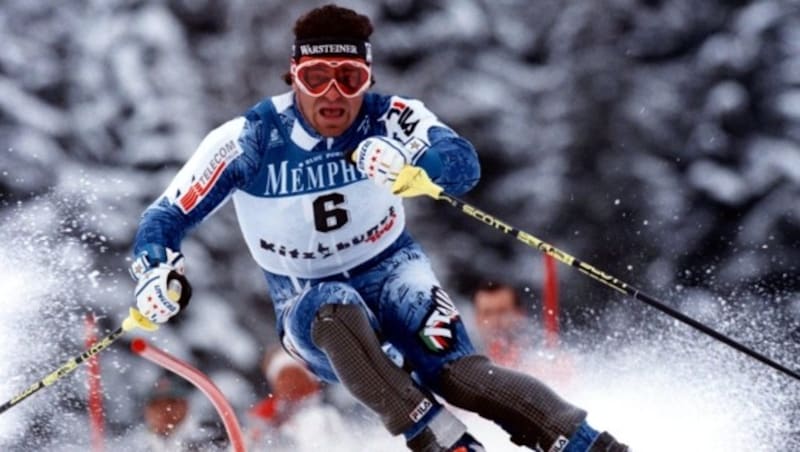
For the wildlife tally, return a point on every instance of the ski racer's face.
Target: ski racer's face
(330, 91)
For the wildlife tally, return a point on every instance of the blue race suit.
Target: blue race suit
(319, 229)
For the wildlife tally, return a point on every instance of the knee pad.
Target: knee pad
(527, 409)
(344, 334)
(299, 314)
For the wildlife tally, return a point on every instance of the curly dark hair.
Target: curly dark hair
(331, 21)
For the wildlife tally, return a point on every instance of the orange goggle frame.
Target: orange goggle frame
(315, 77)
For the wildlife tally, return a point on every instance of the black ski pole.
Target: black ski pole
(413, 181)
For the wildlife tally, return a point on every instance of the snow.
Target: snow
(15, 280)
(719, 182)
(789, 104)
(29, 110)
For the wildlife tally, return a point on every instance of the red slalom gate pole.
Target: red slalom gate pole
(550, 302)
(201, 381)
(95, 398)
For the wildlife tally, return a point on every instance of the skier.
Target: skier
(344, 275)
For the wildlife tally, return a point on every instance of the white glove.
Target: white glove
(382, 158)
(160, 293)
(154, 255)
(161, 289)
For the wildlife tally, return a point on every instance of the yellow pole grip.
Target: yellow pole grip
(135, 320)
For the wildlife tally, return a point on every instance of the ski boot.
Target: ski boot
(606, 443)
(467, 443)
(425, 443)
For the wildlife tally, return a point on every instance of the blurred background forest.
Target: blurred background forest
(656, 140)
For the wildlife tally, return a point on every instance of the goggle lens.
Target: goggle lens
(316, 76)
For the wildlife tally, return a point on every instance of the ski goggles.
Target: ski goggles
(315, 77)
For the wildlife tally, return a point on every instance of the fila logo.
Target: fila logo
(559, 445)
(404, 114)
(421, 410)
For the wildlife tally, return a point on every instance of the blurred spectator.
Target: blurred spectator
(166, 412)
(510, 338)
(169, 423)
(501, 323)
(294, 405)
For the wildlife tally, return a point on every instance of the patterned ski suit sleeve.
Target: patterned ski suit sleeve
(449, 159)
(224, 160)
